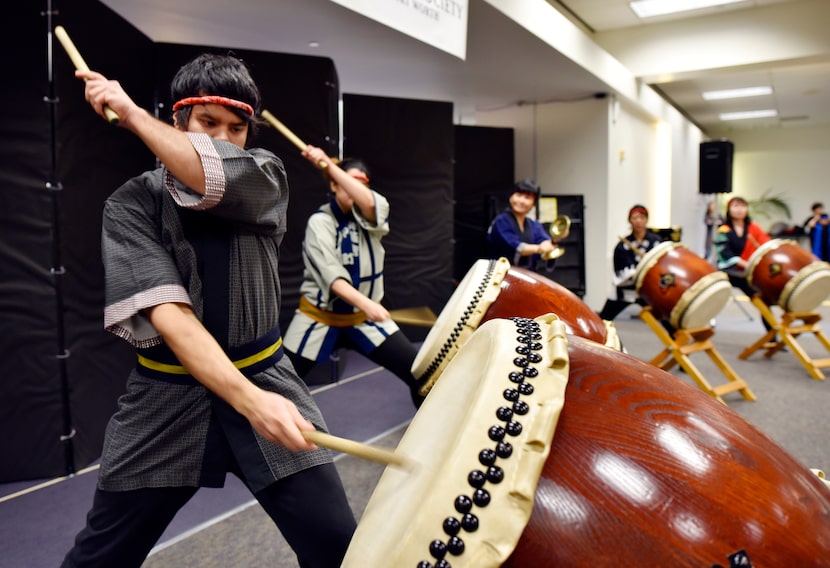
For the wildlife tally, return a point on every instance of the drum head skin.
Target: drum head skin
(808, 289)
(480, 438)
(703, 301)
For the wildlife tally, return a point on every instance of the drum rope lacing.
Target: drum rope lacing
(452, 340)
(529, 341)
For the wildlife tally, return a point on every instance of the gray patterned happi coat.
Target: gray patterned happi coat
(175, 433)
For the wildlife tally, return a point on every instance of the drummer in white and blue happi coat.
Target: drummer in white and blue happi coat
(343, 278)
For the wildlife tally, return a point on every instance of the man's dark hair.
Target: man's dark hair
(216, 75)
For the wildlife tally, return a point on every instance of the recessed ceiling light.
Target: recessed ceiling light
(649, 8)
(768, 113)
(314, 44)
(736, 93)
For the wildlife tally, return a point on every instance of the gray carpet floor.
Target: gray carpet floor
(790, 409)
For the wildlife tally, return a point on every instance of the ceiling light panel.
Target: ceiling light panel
(737, 93)
(744, 115)
(651, 8)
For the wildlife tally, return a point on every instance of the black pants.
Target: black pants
(612, 309)
(310, 508)
(743, 284)
(396, 354)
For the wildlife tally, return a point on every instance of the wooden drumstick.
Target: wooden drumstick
(637, 251)
(81, 65)
(358, 450)
(293, 138)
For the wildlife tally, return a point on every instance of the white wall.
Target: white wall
(615, 157)
(793, 163)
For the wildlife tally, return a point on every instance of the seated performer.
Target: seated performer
(515, 236)
(343, 278)
(625, 263)
(735, 241)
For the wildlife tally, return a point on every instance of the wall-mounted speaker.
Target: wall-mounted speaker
(716, 166)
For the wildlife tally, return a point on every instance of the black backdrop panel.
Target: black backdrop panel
(43, 232)
(79, 152)
(484, 173)
(570, 268)
(716, 166)
(408, 146)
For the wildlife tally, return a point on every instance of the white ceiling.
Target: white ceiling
(779, 42)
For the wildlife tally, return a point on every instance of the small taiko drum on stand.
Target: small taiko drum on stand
(789, 276)
(680, 286)
(539, 448)
(495, 289)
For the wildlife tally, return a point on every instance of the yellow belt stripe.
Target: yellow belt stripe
(240, 364)
(330, 318)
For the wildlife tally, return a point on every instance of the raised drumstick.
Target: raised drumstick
(81, 65)
(359, 450)
(636, 251)
(293, 138)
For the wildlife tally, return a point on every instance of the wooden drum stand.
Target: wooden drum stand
(787, 334)
(686, 342)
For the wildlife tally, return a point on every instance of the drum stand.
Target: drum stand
(686, 342)
(787, 333)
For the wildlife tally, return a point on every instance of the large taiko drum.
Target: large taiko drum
(631, 467)
(680, 286)
(495, 289)
(789, 276)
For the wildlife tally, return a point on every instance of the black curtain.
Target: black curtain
(408, 146)
(58, 164)
(484, 176)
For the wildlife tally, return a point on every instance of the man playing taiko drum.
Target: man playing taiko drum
(625, 263)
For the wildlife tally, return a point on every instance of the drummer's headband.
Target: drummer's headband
(640, 210)
(216, 100)
(360, 176)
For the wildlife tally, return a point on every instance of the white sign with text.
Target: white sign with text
(439, 23)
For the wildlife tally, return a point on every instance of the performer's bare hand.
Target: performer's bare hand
(101, 92)
(375, 312)
(316, 156)
(277, 419)
(546, 246)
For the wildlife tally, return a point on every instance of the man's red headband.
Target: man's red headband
(211, 99)
(640, 210)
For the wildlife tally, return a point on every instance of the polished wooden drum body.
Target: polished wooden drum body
(680, 286)
(789, 276)
(494, 289)
(541, 449)
(648, 471)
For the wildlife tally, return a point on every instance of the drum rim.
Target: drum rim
(797, 281)
(612, 337)
(761, 252)
(651, 258)
(446, 345)
(690, 297)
